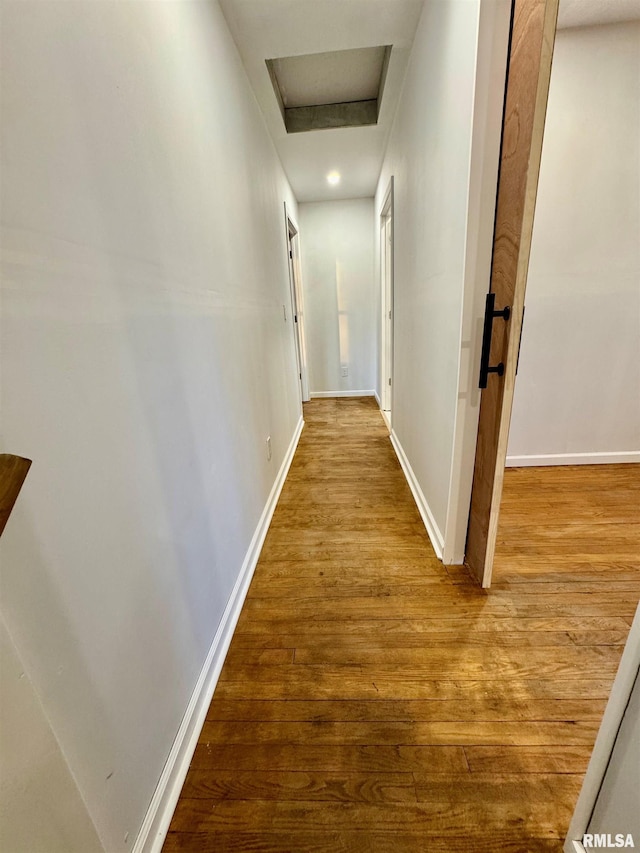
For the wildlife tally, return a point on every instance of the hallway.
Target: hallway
(182, 266)
(373, 700)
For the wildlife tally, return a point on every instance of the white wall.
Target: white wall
(145, 360)
(40, 805)
(578, 386)
(340, 293)
(443, 153)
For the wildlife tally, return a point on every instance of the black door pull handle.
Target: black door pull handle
(489, 314)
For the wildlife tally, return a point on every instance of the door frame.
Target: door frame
(605, 741)
(386, 221)
(297, 305)
(527, 90)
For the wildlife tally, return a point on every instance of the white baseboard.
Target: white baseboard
(435, 535)
(375, 394)
(156, 822)
(313, 394)
(614, 458)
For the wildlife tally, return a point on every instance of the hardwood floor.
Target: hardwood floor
(374, 701)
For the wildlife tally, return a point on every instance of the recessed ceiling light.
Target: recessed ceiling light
(333, 178)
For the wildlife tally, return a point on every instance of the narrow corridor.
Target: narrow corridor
(373, 700)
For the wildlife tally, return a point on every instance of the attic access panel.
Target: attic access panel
(341, 88)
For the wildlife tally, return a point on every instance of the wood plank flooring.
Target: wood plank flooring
(376, 701)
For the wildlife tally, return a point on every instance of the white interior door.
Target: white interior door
(386, 281)
(388, 312)
(528, 75)
(297, 307)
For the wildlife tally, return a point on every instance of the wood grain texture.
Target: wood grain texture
(376, 700)
(13, 470)
(529, 72)
(347, 842)
(433, 820)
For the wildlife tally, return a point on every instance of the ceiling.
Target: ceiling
(341, 88)
(330, 78)
(270, 29)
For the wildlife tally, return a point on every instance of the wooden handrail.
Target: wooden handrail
(13, 470)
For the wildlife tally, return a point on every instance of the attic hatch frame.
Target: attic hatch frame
(359, 113)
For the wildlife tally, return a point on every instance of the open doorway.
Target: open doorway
(297, 308)
(574, 432)
(386, 301)
(527, 85)
(572, 406)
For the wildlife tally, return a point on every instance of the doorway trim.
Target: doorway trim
(494, 26)
(387, 245)
(528, 77)
(297, 304)
(619, 698)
